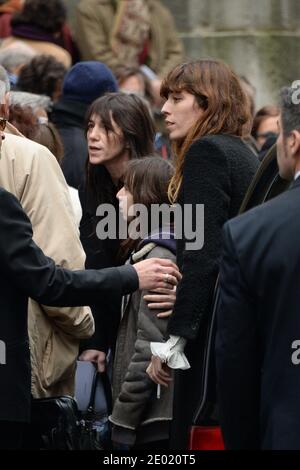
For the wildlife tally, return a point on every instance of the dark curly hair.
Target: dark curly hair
(49, 15)
(43, 75)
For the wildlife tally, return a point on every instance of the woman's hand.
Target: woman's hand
(161, 299)
(159, 372)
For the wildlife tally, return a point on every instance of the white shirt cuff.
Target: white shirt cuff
(171, 352)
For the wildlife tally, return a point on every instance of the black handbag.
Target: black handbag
(55, 424)
(94, 426)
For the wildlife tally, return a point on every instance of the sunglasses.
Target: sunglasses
(3, 122)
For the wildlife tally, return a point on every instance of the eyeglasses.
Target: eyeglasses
(3, 122)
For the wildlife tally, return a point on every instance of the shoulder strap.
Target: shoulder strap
(103, 377)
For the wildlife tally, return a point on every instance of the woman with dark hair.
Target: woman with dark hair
(119, 129)
(42, 25)
(139, 417)
(207, 115)
(126, 118)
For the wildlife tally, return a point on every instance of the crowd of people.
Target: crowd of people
(97, 125)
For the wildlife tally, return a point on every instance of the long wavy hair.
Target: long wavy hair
(218, 92)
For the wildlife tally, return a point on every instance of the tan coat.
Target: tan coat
(32, 174)
(94, 23)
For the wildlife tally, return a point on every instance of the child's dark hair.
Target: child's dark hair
(147, 179)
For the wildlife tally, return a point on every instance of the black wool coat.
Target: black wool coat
(217, 172)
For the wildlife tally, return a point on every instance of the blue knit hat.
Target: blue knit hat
(87, 81)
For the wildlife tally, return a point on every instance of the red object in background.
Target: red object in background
(143, 55)
(206, 438)
(5, 29)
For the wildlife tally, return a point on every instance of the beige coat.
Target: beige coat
(94, 23)
(32, 174)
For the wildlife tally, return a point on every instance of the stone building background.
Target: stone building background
(260, 39)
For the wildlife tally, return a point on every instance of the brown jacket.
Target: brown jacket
(94, 23)
(32, 174)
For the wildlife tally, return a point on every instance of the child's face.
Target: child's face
(125, 202)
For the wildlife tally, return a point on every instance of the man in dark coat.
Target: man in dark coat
(258, 336)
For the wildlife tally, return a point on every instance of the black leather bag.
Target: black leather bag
(55, 424)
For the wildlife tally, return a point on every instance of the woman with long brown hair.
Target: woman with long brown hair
(207, 115)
